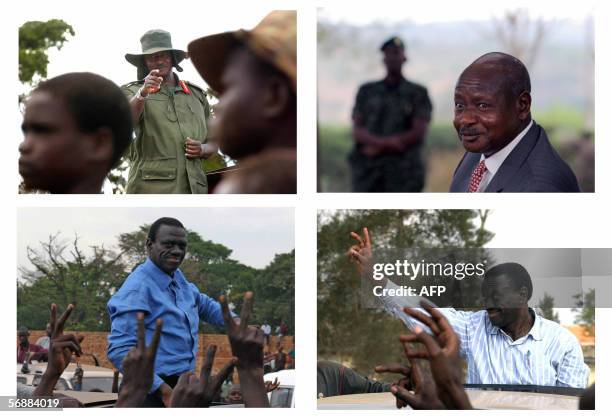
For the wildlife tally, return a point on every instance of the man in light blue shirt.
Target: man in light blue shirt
(508, 343)
(160, 290)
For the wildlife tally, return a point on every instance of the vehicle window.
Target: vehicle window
(281, 397)
(101, 384)
(61, 384)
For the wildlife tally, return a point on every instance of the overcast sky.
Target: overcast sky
(254, 234)
(512, 226)
(109, 31)
(436, 11)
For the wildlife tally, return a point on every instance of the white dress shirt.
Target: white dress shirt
(547, 355)
(493, 162)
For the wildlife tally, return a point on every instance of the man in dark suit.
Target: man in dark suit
(506, 150)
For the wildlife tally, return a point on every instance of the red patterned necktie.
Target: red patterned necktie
(481, 168)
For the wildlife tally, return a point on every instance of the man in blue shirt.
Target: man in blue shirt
(160, 290)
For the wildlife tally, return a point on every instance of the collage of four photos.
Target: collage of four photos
(428, 297)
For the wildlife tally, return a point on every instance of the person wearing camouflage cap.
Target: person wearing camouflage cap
(390, 121)
(255, 73)
(171, 122)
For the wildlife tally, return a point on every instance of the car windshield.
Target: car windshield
(281, 397)
(100, 384)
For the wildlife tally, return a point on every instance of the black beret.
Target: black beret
(395, 40)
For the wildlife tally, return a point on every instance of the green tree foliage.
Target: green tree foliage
(89, 281)
(359, 337)
(62, 274)
(586, 310)
(546, 306)
(210, 267)
(35, 40)
(275, 291)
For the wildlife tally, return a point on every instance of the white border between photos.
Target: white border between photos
(566, 220)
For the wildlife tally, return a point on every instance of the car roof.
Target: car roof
(481, 399)
(89, 370)
(286, 377)
(91, 399)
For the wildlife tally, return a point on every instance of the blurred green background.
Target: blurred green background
(559, 54)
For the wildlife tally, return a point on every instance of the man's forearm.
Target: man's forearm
(134, 396)
(394, 304)
(116, 355)
(47, 383)
(416, 134)
(137, 105)
(164, 392)
(131, 397)
(364, 137)
(254, 393)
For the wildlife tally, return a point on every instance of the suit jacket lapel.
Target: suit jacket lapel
(463, 174)
(508, 169)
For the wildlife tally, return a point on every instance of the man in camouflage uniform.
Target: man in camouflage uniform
(390, 120)
(170, 118)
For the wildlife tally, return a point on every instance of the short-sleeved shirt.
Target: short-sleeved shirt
(386, 110)
(157, 156)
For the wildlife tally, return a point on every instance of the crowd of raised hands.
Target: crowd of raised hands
(444, 389)
(440, 347)
(191, 390)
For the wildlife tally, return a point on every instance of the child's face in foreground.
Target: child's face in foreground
(52, 148)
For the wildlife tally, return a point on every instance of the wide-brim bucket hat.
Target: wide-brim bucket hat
(273, 40)
(151, 42)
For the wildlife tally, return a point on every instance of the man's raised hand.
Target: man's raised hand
(61, 348)
(422, 396)
(442, 351)
(139, 366)
(272, 385)
(247, 344)
(447, 341)
(191, 391)
(361, 252)
(152, 83)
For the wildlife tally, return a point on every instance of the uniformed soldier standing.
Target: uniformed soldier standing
(170, 119)
(390, 120)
